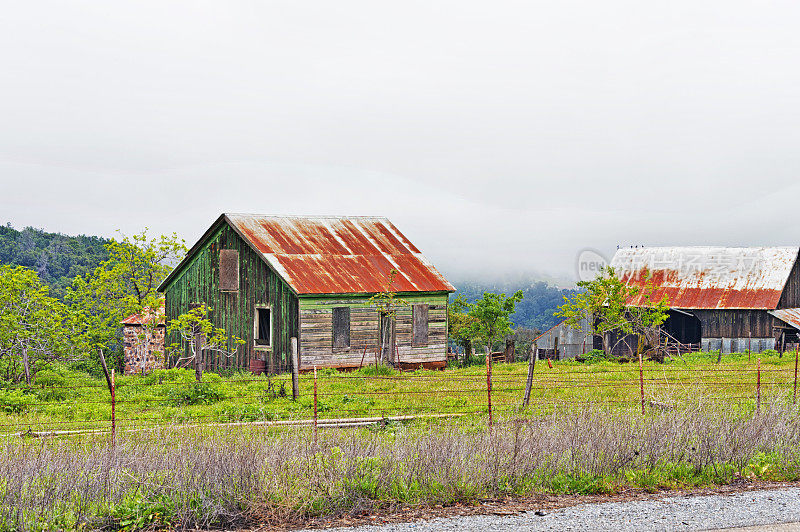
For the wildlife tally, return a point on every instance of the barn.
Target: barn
(269, 279)
(731, 299)
(720, 298)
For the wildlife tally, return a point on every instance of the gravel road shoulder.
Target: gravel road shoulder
(670, 512)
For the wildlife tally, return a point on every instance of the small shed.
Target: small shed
(143, 341)
(566, 341)
(269, 279)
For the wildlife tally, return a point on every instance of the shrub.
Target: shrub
(196, 393)
(14, 401)
(379, 370)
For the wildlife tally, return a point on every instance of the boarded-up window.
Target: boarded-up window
(263, 327)
(420, 325)
(341, 327)
(229, 270)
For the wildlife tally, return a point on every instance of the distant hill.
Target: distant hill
(55, 257)
(535, 311)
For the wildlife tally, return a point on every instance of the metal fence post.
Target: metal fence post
(295, 370)
(113, 410)
(794, 398)
(489, 382)
(758, 387)
(641, 382)
(315, 405)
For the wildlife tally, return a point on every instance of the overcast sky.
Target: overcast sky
(500, 137)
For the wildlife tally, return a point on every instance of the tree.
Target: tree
(198, 336)
(603, 301)
(387, 304)
(459, 323)
(124, 284)
(34, 327)
(490, 317)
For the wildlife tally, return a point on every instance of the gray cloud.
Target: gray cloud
(500, 136)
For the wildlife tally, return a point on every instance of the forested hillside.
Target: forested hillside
(55, 257)
(535, 311)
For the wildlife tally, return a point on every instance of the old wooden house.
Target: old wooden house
(727, 299)
(269, 279)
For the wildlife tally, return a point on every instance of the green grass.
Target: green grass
(63, 399)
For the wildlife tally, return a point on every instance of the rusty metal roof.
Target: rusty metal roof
(789, 315)
(709, 277)
(145, 317)
(338, 255)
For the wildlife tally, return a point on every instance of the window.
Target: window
(229, 270)
(263, 326)
(341, 327)
(420, 325)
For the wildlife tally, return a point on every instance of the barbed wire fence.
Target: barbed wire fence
(331, 399)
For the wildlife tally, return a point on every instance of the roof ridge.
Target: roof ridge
(309, 216)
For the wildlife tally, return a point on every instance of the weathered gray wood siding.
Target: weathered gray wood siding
(735, 323)
(316, 331)
(790, 298)
(234, 311)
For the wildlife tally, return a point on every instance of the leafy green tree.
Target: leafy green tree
(536, 309)
(603, 301)
(490, 317)
(387, 303)
(124, 284)
(198, 337)
(459, 323)
(34, 327)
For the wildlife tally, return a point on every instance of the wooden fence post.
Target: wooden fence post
(113, 411)
(641, 381)
(105, 368)
(295, 369)
(489, 382)
(758, 387)
(198, 356)
(529, 383)
(315, 405)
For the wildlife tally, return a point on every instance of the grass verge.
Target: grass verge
(214, 478)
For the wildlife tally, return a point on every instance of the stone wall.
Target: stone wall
(139, 353)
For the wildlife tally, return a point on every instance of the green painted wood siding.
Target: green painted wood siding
(198, 282)
(316, 331)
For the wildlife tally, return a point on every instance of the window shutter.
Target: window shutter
(420, 326)
(229, 270)
(341, 327)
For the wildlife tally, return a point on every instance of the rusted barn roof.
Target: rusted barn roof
(708, 277)
(788, 315)
(338, 255)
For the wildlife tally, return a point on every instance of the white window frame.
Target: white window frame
(266, 347)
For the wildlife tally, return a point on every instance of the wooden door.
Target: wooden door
(387, 339)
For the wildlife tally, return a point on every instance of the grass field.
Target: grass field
(64, 400)
(582, 433)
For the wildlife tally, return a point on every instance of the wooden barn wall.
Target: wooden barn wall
(235, 311)
(735, 323)
(791, 292)
(316, 331)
